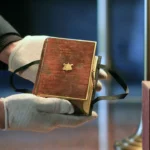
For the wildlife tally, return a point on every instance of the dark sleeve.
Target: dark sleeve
(7, 35)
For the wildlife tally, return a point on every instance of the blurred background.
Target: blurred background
(120, 40)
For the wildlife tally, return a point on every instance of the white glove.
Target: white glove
(29, 49)
(31, 113)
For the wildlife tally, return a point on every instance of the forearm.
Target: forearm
(7, 34)
(8, 38)
(4, 55)
(2, 115)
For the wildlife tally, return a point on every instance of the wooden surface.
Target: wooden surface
(146, 114)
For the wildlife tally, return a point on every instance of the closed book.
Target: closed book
(66, 71)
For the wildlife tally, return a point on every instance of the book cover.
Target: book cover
(65, 71)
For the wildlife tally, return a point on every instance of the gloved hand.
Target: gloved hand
(31, 113)
(29, 49)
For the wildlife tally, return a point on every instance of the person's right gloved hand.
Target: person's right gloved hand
(31, 113)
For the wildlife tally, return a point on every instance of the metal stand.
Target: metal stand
(134, 142)
(103, 50)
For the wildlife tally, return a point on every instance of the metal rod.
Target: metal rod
(103, 50)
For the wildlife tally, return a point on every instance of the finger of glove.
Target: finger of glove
(73, 121)
(98, 86)
(46, 122)
(54, 105)
(102, 74)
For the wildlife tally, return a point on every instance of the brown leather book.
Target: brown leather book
(66, 71)
(146, 114)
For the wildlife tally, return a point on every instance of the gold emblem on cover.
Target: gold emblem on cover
(67, 67)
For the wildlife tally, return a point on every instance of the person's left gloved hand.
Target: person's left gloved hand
(29, 49)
